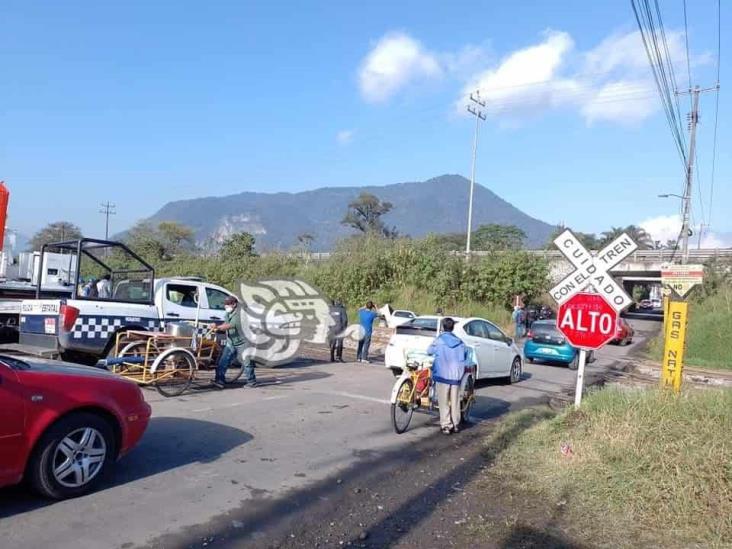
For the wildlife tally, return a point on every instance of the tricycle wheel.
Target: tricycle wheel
(466, 400)
(403, 409)
(173, 372)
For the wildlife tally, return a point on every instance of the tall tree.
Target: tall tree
(54, 232)
(588, 240)
(364, 215)
(238, 246)
(162, 242)
(493, 237)
(638, 234)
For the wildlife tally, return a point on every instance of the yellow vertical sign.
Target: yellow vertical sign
(673, 351)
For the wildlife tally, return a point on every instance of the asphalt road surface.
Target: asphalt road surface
(210, 457)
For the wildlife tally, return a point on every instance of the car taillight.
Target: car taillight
(67, 316)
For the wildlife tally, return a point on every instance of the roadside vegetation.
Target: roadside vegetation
(646, 468)
(710, 321)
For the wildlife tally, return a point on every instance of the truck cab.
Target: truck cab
(83, 327)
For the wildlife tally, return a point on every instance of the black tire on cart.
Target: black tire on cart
(174, 370)
(466, 400)
(403, 409)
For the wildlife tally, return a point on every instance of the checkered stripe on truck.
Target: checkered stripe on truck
(102, 327)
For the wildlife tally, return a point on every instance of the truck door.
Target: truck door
(214, 304)
(180, 301)
(12, 420)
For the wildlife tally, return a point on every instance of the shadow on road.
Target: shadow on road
(259, 522)
(169, 442)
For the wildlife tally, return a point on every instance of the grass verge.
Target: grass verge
(708, 330)
(647, 468)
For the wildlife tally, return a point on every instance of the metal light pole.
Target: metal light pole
(475, 98)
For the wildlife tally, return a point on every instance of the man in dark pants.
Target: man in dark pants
(366, 317)
(340, 318)
(235, 345)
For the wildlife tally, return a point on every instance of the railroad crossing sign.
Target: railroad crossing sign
(593, 270)
(587, 320)
(682, 278)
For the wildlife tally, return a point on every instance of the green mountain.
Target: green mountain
(438, 205)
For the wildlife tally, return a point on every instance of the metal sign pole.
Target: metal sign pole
(580, 378)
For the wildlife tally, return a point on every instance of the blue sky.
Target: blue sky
(141, 103)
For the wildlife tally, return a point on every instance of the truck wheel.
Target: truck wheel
(72, 456)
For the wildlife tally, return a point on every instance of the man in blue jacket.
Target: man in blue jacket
(447, 371)
(366, 317)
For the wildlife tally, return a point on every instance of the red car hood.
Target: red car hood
(62, 368)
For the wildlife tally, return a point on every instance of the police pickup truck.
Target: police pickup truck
(83, 326)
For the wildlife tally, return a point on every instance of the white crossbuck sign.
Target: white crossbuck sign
(593, 270)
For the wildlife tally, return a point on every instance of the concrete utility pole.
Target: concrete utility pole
(693, 120)
(107, 210)
(686, 208)
(478, 113)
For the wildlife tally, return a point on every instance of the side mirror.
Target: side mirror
(509, 341)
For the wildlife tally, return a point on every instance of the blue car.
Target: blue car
(546, 343)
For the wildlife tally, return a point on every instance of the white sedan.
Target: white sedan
(496, 353)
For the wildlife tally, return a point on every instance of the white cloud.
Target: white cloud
(395, 61)
(344, 137)
(663, 228)
(667, 227)
(610, 82)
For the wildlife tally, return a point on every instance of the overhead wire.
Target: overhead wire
(716, 112)
(646, 26)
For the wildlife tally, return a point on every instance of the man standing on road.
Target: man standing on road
(447, 372)
(517, 319)
(366, 317)
(340, 318)
(235, 344)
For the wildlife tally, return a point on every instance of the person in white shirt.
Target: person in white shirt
(104, 287)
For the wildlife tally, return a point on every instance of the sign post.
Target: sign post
(673, 349)
(589, 320)
(678, 280)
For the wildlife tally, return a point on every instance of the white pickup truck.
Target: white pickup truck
(84, 329)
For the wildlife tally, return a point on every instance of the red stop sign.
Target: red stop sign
(587, 320)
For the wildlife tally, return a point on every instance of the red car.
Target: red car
(624, 332)
(62, 425)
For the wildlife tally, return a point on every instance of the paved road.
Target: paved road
(209, 453)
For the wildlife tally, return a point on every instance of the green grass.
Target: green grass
(709, 333)
(649, 468)
(424, 304)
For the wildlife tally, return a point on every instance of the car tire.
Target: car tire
(516, 370)
(575, 363)
(90, 437)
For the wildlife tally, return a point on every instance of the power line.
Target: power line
(686, 40)
(716, 112)
(659, 63)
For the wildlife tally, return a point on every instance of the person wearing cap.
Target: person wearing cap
(235, 344)
(447, 372)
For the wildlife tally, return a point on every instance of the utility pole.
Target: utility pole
(701, 233)
(693, 120)
(107, 210)
(479, 115)
(686, 209)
